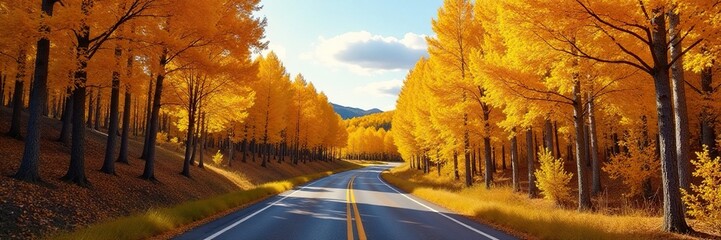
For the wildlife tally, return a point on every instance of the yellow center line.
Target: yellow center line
(358, 220)
(348, 214)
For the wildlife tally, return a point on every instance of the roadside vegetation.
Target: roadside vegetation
(524, 217)
(160, 220)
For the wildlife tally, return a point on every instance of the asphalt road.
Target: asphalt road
(355, 204)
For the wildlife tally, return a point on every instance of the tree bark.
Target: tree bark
(532, 191)
(76, 169)
(189, 136)
(66, 119)
(488, 176)
(149, 170)
(707, 118)
(673, 217)
(514, 163)
(123, 156)
(109, 163)
(584, 199)
(148, 113)
(679, 102)
(455, 165)
(3, 81)
(96, 123)
(91, 110)
(16, 121)
(593, 144)
(203, 133)
(28, 170)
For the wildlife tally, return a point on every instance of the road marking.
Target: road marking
(216, 234)
(348, 212)
(436, 211)
(358, 220)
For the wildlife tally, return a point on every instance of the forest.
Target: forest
(572, 90)
(189, 74)
(572, 101)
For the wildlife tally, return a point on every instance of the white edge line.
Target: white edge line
(436, 211)
(218, 233)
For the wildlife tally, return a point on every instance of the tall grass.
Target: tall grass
(160, 220)
(537, 218)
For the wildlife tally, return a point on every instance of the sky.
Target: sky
(355, 51)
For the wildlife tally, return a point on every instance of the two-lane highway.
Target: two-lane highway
(355, 204)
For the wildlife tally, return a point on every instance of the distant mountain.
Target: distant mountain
(351, 112)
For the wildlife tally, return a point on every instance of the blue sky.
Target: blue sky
(356, 51)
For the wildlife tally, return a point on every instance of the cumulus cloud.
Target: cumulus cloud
(383, 88)
(363, 52)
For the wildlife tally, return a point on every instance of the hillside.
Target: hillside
(28, 211)
(351, 112)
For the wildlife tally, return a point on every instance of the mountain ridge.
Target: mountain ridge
(346, 112)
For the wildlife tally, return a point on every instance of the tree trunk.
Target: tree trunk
(123, 156)
(96, 123)
(231, 148)
(76, 169)
(149, 170)
(203, 133)
(548, 136)
(16, 122)
(28, 170)
(3, 81)
(455, 165)
(109, 163)
(593, 144)
(67, 122)
(679, 102)
(189, 137)
(584, 199)
(148, 113)
(466, 153)
(707, 118)
(91, 110)
(488, 176)
(673, 217)
(532, 191)
(514, 162)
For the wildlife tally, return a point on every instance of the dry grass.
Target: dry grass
(528, 218)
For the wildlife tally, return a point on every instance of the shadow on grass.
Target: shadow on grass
(531, 220)
(157, 221)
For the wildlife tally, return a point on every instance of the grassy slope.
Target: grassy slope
(162, 220)
(528, 218)
(32, 210)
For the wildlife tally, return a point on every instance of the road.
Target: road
(355, 204)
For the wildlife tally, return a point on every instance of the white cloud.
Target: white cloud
(365, 53)
(383, 88)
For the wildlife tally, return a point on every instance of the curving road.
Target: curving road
(355, 204)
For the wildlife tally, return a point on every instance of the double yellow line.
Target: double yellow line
(350, 200)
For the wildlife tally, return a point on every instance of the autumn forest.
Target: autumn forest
(601, 113)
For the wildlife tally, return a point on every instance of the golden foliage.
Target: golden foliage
(552, 179)
(704, 202)
(635, 166)
(218, 158)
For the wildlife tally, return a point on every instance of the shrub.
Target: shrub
(552, 179)
(218, 158)
(637, 165)
(161, 138)
(704, 203)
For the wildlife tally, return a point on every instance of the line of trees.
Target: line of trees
(586, 80)
(371, 138)
(183, 68)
